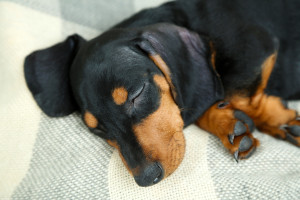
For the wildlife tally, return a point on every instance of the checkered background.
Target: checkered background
(58, 158)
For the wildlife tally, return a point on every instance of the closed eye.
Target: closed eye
(137, 94)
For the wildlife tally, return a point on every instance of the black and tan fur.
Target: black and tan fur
(225, 65)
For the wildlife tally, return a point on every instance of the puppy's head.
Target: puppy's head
(136, 88)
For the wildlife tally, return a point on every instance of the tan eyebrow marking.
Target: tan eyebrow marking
(160, 63)
(90, 120)
(120, 95)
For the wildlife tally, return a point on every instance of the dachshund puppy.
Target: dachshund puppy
(224, 65)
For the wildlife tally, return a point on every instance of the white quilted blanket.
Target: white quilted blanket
(43, 158)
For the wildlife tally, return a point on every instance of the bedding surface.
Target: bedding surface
(58, 158)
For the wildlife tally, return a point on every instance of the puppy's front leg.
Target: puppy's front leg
(230, 122)
(239, 67)
(233, 127)
(269, 113)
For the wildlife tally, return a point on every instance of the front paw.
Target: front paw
(233, 127)
(279, 121)
(241, 144)
(292, 131)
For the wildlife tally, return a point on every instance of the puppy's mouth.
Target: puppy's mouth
(160, 175)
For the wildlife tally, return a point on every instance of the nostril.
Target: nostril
(160, 175)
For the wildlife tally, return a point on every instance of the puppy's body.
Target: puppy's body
(239, 29)
(210, 62)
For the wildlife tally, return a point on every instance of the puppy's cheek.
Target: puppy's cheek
(173, 137)
(161, 133)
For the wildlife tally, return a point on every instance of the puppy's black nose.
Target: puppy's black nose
(150, 175)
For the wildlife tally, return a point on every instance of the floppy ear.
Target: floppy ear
(47, 76)
(146, 46)
(185, 60)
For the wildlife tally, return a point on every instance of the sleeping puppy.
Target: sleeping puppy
(224, 65)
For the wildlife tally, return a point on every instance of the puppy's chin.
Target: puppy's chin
(161, 167)
(160, 162)
(168, 159)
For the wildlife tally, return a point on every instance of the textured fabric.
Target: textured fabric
(273, 171)
(22, 31)
(208, 171)
(192, 179)
(58, 158)
(67, 162)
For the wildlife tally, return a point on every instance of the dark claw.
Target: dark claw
(223, 104)
(245, 144)
(239, 128)
(284, 127)
(291, 139)
(236, 156)
(291, 132)
(294, 130)
(284, 103)
(245, 118)
(231, 138)
(250, 153)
